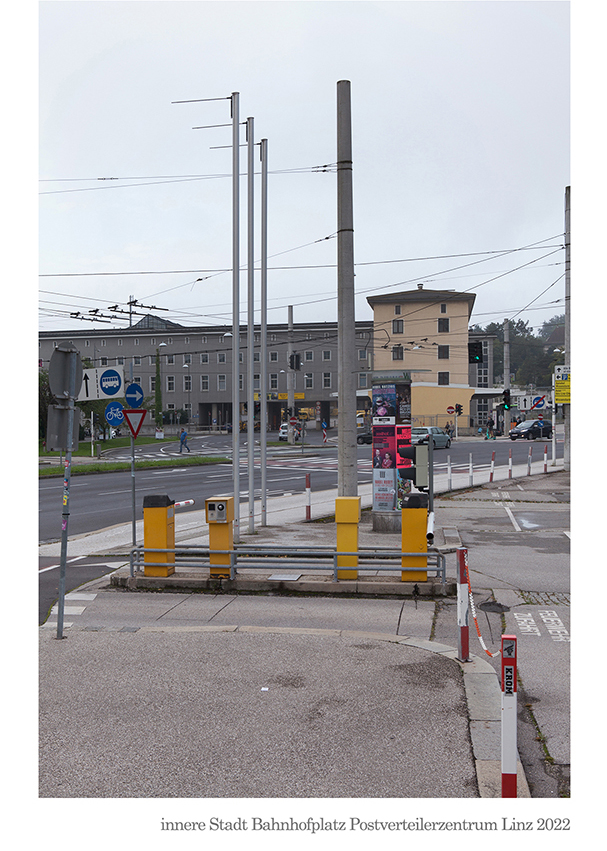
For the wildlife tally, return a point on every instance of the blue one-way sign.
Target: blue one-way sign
(134, 395)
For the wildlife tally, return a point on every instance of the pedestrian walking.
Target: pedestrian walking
(490, 425)
(183, 440)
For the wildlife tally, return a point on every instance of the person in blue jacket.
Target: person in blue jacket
(183, 440)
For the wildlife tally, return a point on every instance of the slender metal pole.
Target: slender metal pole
(263, 386)
(65, 515)
(290, 377)
(506, 372)
(251, 324)
(235, 314)
(567, 408)
(347, 482)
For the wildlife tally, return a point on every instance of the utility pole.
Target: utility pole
(567, 408)
(250, 325)
(263, 384)
(235, 313)
(506, 372)
(290, 378)
(347, 483)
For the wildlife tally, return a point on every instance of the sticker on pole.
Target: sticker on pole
(134, 419)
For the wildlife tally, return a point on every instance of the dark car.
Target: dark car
(530, 429)
(364, 437)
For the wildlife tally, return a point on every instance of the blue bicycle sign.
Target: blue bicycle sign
(113, 414)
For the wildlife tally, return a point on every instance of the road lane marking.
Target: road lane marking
(508, 511)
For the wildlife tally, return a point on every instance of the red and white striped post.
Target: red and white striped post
(509, 740)
(529, 461)
(470, 471)
(309, 494)
(463, 636)
(184, 502)
(492, 466)
(546, 458)
(510, 463)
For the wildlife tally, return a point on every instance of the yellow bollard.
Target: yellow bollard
(220, 517)
(158, 533)
(414, 525)
(347, 518)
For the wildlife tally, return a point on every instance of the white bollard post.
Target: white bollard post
(510, 463)
(471, 472)
(529, 461)
(463, 635)
(546, 458)
(309, 493)
(492, 466)
(449, 480)
(509, 739)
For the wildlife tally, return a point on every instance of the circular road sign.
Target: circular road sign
(113, 414)
(110, 382)
(134, 395)
(450, 409)
(293, 421)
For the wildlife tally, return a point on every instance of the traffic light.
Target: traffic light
(417, 471)
(458, 410)
(506, 400)
(295, 361)
(475, 352)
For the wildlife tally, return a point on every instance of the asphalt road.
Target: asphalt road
(101, 500)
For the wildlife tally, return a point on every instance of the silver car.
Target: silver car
(440, 438)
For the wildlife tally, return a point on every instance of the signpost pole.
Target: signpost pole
(509, 738)
(73, 359)
(133, 502)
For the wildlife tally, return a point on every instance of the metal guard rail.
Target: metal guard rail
(276, 557)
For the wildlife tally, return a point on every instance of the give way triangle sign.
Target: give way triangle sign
(134, 418)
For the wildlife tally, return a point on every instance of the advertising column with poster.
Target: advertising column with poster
(391, 407)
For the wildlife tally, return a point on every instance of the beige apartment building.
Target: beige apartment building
(425, 332)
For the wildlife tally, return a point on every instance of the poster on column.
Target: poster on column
(384, 489)
(384, 404)
(384, 447)
(403, 403)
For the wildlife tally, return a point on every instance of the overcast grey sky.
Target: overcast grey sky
(460, 124)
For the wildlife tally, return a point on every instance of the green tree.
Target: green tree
(45, 398)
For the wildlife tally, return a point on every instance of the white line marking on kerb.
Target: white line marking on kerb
(511, 516)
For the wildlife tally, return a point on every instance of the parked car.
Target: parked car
(283, 432)
(530, 429)
(440, 438)
(364, 436)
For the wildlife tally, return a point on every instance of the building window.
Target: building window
(362, 380)
(137, 361)
(203, 339)
(309, 381)
(443, 308)
(273, 357)
(443, 378)
(362, 354)
(443, 326)
(103, 361)
(326, 380)
(119, 342)
(272, 338)
(482, 376)
(398, 326)
(102, 342)
(152, 383)
(221, 382)
(171, 383)
(204, 383)
(221, 357)
(240, 357)
(187, 382)
(241, 381)
(256, 357)
(397, 309)
(398, 353)
(443, 352)
(87, 342)
(137, 379)
(256, 381)
(186, 340)
(136, 341)
(273, 381)
(152, 360)
(326, 355)
(187, 358)
(309, 356)
(204, 357)
(120, 361)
